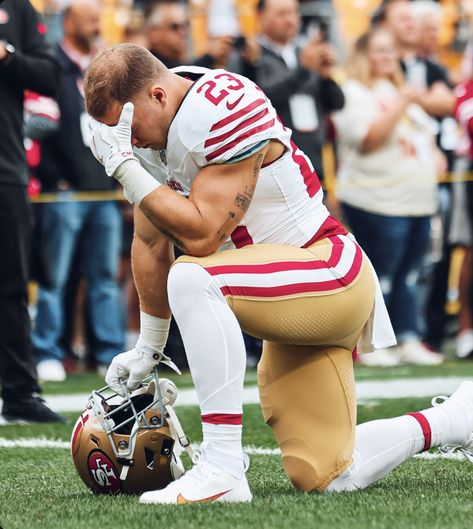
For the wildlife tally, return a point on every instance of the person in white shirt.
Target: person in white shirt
(387, 180)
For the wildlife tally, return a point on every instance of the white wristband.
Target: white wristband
(153, 331)
(136, 181)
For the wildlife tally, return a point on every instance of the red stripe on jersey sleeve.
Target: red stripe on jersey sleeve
(242, 125)
(240, 237)
(239, 139)
(311, 179)
(233, 117)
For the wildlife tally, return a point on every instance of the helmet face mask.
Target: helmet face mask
(125, 444)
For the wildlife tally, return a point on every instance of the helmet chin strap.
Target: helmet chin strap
(178, 433)
(124, 472)
(168, 395)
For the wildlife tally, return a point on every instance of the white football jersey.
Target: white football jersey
(225, 118)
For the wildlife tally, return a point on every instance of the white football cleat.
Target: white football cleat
(461, 401)
(204, 483)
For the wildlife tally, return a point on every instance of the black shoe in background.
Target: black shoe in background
(31, 409)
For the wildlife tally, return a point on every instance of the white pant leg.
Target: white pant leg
(217, 359)
(212, 338)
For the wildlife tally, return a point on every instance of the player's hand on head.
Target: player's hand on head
(111, 146)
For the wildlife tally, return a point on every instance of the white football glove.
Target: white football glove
(135, 365)
(111, 146)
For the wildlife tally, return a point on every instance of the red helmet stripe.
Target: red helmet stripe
(75, 435)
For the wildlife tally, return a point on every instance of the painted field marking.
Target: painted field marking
(367, 390)
(42, 442)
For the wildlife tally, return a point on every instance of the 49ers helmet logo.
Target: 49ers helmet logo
(103, 472)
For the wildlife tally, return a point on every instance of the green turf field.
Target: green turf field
(84, 382)
(39, 487)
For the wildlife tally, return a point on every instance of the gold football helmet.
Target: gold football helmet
(129, 444)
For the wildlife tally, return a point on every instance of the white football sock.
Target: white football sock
(217, 358)
(447, 423)
(222, 447)
(381, 446)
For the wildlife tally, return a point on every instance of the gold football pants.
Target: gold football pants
(309, 306)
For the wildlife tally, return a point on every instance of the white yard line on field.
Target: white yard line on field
(34, 442)
(367, 390)
(41, 442)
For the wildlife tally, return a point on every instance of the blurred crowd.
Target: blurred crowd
(384, 115)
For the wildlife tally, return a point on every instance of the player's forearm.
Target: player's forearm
(174, 215)
(151, 267)
(180, 219)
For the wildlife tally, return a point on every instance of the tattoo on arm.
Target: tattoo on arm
(257, 166)
(222, 232)
(243, 200)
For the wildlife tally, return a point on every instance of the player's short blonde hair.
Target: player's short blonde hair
(117, 74)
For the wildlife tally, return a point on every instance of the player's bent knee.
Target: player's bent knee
(182, 283)
(307, 397)
(304, 473)
(309, 471)
(186, 285)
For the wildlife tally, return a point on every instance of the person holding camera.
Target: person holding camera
(296, 78)
(167, 33)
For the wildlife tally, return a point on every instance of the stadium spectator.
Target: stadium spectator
(296, 78)
(436, 270)
(438, 100)
(387, 181)
(462, 219)
(41, 118)
(25, 63)
(415, 27)
(135, 30)
(68, 165)
(167, 31)
(428, 16)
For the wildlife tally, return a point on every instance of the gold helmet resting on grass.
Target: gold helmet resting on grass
(130, 444)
